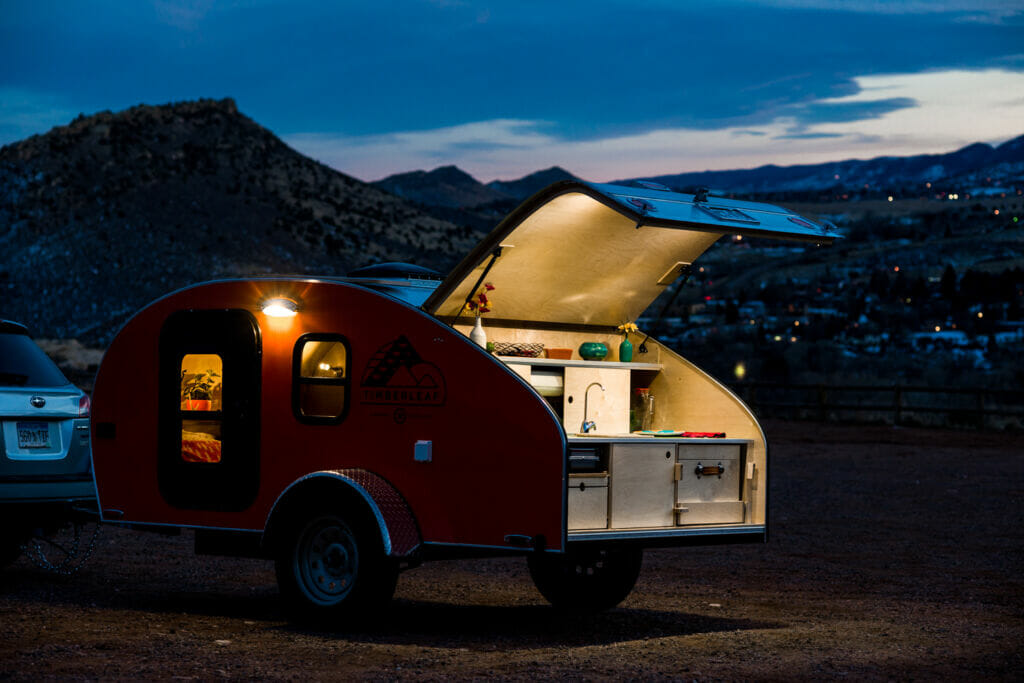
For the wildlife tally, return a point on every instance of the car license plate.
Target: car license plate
(33, 435)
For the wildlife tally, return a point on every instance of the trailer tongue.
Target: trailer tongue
(333, 425)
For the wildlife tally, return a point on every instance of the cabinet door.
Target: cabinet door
(609, 409)
(642, 486)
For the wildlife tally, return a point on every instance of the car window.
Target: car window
(23, 364)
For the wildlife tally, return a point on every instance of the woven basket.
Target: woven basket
(518, 349)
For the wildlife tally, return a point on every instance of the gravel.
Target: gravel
(894, 554)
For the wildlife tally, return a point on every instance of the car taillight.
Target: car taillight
(83, 406)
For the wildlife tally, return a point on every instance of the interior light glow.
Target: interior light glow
(279, 308)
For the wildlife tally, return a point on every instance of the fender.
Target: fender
(398, 528)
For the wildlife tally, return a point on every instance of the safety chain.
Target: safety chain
(33, 550)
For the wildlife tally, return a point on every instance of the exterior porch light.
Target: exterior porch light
(279, 308)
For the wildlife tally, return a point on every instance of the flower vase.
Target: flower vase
(477, 335)
(625, 351)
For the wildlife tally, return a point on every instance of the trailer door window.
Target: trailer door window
(320, 381)
(209, 389)
(201, 407)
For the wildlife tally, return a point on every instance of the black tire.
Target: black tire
(586, 580)
(331, 564)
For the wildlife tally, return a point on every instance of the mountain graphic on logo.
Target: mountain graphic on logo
(397, 374)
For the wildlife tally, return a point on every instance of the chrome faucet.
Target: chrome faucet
(588, 424)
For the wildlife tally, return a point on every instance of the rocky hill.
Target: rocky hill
(103, 215)
(447, 186)
(524, 187)
(449, 193)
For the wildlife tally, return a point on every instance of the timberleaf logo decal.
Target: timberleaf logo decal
(397, 375)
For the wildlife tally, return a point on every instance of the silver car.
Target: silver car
(45, 462)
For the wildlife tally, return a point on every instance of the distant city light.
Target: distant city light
(938, 329)
(896, 269)
(792, 339)
(980, 314)
(796, 323)
(740, 370)
(996, 212)
(890, 198)
(928, 185)
(778, 337)
(908, 300)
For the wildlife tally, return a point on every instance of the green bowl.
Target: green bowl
(593, 350)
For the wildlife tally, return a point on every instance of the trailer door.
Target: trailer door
(209, 403)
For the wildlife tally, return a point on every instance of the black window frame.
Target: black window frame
(298, 380)
(232, 484)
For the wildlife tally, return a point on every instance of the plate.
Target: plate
(659, 432)
(33, 435)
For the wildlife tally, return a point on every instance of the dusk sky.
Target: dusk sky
(604, 89)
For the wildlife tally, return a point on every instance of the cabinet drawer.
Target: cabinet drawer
(718, 512)
(708, 473)
(588, 502)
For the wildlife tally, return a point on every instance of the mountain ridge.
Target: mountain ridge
(103, 215)
(972, 163)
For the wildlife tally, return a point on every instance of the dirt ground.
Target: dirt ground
(894, 554)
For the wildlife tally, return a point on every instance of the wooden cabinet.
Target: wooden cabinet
(606, 405)
(642, 485)
(709, 480)
(588, 502)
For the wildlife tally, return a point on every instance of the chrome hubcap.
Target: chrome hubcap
(328, 561)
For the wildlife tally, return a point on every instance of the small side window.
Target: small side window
(320, 378)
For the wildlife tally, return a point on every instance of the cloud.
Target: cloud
(976, 10)
(25, 112)
(375, 155)
(807, 136)
(182, 14)
(933, 112)
(854, 110)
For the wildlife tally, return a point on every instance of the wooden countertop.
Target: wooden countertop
(628, 438)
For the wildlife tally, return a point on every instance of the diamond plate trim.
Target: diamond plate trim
(398, 525)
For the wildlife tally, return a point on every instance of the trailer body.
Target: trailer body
(359, 428)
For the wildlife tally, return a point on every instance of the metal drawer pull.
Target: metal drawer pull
(709, 470)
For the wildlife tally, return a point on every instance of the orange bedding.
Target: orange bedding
(199, 447)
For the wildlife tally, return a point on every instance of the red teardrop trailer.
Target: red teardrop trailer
(349, 427)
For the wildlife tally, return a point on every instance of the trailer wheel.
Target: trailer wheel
(333, 565)
(586, 580)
